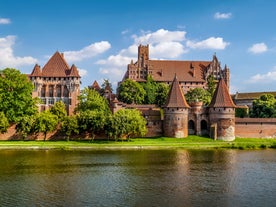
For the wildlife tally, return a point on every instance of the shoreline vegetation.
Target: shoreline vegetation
(191, 142)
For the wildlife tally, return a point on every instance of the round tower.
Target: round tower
(176, 112)
(222, 114)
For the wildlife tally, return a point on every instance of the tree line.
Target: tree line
(92, 114)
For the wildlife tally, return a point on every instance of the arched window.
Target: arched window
(191, 127)
(43, 91)
(203, 127)
(65, 92)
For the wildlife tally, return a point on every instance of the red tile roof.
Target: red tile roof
(96, 86)
(176, 98)
(36, 71)
(221, 97)
(74, 71)
(164, 70)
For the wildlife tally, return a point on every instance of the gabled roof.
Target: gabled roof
(221, 97)
(96, 86)
(176, 98)
(164, 70)
(56, 67)
(251, 95)
(74, 71)
(36, 71)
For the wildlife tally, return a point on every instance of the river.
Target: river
(138, 178)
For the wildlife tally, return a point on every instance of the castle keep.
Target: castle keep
(56, 81)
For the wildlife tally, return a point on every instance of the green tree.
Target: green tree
(46, 122)
(264, 107)
(25, 126)
(211, 83)
(198, 94)
(91, 100)
(128, 123)
(161, 93)
(69, 125)
(15, 95)
(130, 92)
(4, 123)
(150, 87)
(91, 122)
(59, 109)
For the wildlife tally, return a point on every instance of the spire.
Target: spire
(74, 71)
(36, 71)
(96, 86)
(176, 97)
(221, 97)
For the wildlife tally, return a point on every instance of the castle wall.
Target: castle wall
(256, 127)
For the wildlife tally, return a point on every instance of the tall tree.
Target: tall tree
(128, 123)
(25, 126)
(91, 100)
(59, 110)
(4, 123)
(264, 107)
(91, 122)
(150, 87)
(161, 94)
(211, 83)
(46, 122)
(69, 125)
(15, 95)
(130, 92)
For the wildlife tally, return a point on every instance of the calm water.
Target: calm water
(138, 178)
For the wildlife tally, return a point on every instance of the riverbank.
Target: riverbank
(192, 142)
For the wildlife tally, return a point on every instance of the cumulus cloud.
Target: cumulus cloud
(7, 57)
(82, 72)
(211, 43)
(258, 48)
(219, 15)
(264, 78)
(5, 21)
(87, 52)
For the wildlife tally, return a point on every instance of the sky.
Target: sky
(101, 37)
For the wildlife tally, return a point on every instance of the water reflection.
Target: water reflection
(138, 178)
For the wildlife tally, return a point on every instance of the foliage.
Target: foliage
(15, 95)
(106, 85)
(198, 94)
(211, 85)
(150, 87)
(45, 122)
(264, 107)
(69, 125)
(4, 123)
(131, 92)
(241, 112)
(59, 110)
(91, 121)
(161, 94)
(25, 125)
(128, 123)
(91, 100)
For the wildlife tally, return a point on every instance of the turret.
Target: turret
(176, 112)
(222, 114)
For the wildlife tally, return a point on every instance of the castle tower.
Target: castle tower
(56, 82)
(176, 112)
(222, 114)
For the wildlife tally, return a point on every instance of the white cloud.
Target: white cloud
(167, 50)
(5, 21)
(87, 52)
(263, 78)
(82, 72)
(211, 43)
(258, 48)
(159, 36)
(219, 15)
(7, 57)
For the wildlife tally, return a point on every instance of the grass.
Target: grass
(191, 142)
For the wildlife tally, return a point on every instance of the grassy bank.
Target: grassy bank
(192, 142)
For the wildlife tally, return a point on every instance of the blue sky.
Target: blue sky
(101, 36)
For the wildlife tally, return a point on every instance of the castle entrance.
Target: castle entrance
(191, 127)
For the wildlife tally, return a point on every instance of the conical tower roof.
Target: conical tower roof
(74, 71)
(56, 66)
(221, 97)
(176, 98)
(36, 71)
